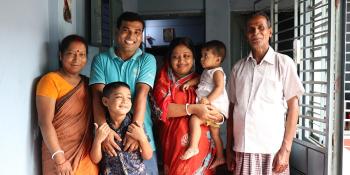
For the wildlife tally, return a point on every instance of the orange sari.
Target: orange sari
(73, 125)
(174, 131)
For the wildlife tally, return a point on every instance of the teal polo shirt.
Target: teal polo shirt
(107, 67)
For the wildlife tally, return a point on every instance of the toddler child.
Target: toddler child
(211, 90)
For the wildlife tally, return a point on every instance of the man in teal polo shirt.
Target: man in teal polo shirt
(126, 63)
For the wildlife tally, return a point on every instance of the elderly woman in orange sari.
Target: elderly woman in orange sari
(174, 106)
(64, 113)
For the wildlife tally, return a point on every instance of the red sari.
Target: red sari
(174, 131)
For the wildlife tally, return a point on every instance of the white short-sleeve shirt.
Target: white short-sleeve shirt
(259, 93)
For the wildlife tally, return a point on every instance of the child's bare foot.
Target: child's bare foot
(217, 162)
(190, 152)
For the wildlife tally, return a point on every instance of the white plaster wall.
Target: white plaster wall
(80, 17)
(248, 5)
(169, 6)
(29, 35)
(64, 27)
(24, 37)
(59, 28)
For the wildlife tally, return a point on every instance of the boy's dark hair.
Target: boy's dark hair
(66, 41)
(108, 89)
(130, 16)
(260, 13)
(218, 48)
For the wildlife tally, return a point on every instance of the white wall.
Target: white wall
(24, 36)
(169, 6)
(29, 34)
(59, 28)
(248, 5)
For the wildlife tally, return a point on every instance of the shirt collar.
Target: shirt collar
(269, 56)
(134, 57)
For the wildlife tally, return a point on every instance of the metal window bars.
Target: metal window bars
(311, 29)
(346, 79)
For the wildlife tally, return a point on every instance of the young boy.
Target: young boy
(117, 99)
(210, 90)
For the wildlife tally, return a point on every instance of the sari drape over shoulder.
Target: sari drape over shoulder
(174, 131)
(73, 125)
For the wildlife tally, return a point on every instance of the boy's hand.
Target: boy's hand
(130, 144)
(101, 132)
(185, 86)
(136, 131)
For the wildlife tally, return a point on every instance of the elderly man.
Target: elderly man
(263, 90)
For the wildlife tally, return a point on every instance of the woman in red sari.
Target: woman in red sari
(174, 106)
(64, 113)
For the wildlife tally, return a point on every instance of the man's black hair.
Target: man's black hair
(131, 17)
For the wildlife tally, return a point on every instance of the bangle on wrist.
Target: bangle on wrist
(223, 120)
(56, 152)
(186, 108)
